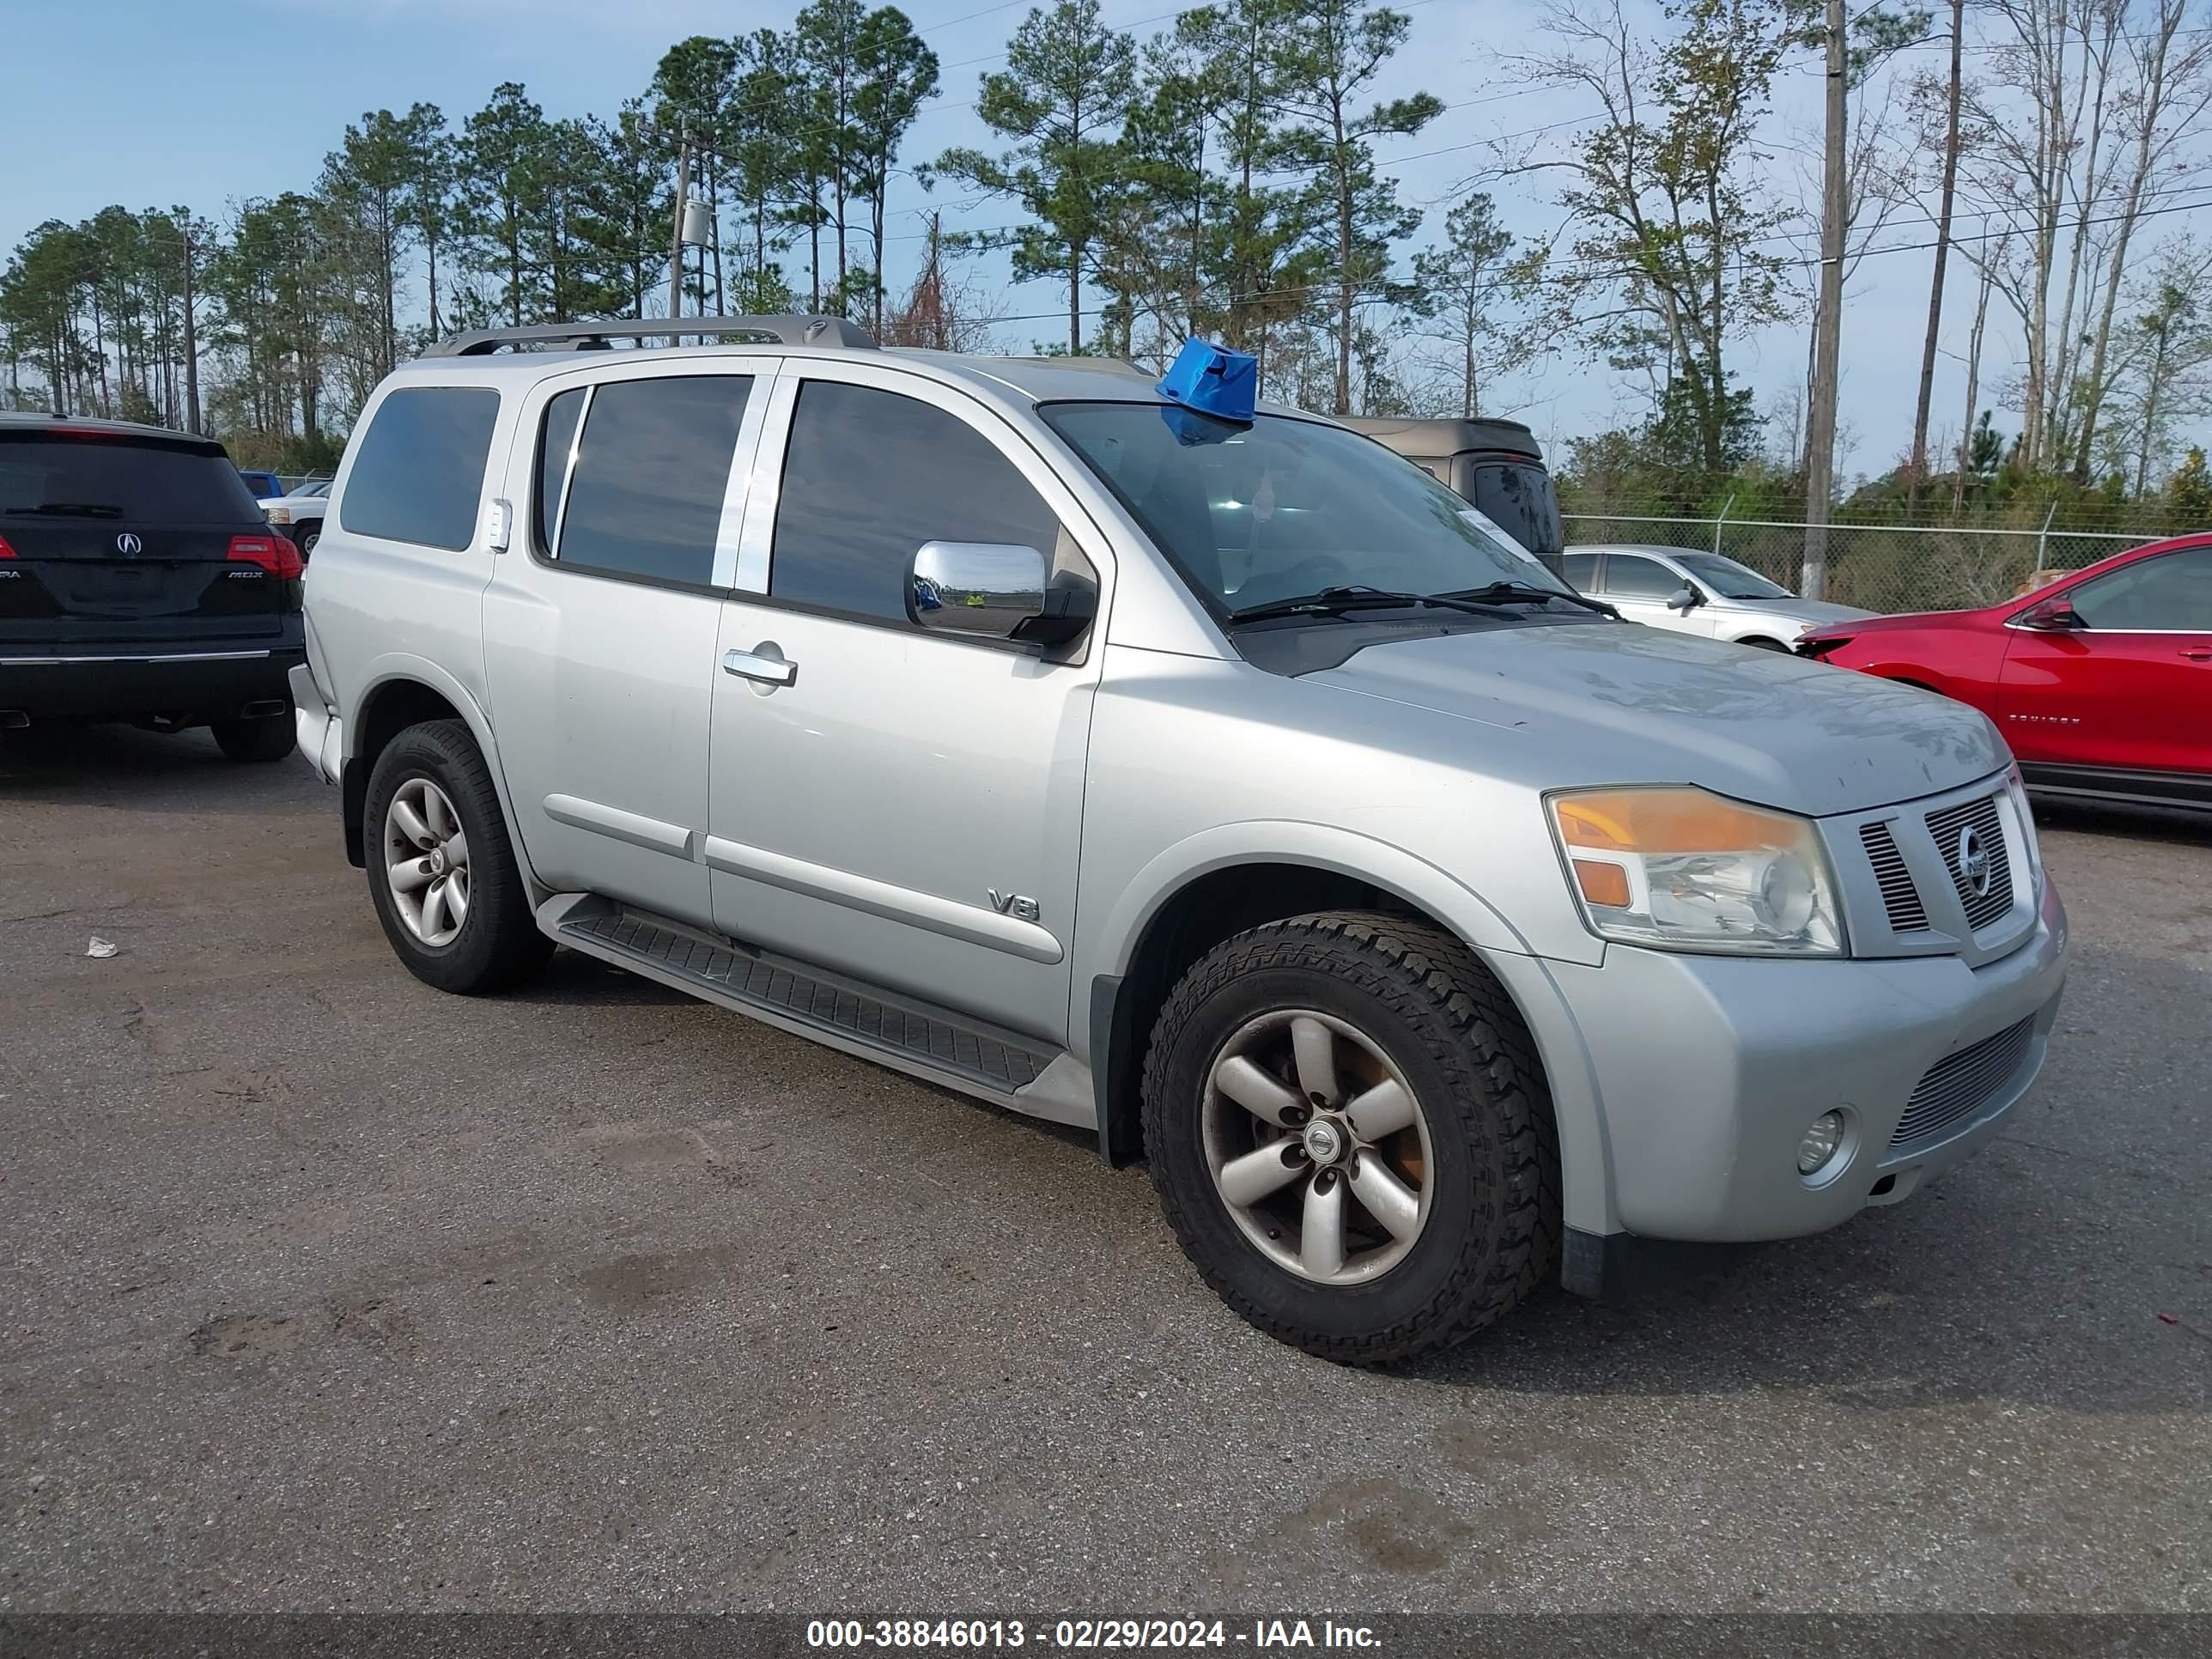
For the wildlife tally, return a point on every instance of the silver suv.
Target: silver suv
(1220, 786)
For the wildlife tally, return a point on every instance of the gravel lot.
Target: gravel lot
(319, 1289)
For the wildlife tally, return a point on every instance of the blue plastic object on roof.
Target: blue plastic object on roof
(1213, 380)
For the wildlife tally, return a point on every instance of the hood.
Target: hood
(1814, 613)
(1872, 622)
(1608, 704)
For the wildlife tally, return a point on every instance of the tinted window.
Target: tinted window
(1627, 577)
(418, 470)
(868, 477)
(652, 469)
(1582, 570)
(1521, 500)
(1729, 579)
(90, 475)
(2172, 593)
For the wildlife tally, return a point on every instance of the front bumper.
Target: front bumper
(1709, 1069)
(186, 685)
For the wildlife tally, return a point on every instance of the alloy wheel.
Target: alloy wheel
(1317, 1145)
(426, 860)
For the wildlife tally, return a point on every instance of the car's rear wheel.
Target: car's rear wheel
(1351, 1136)
(442, 872)
(263, 738)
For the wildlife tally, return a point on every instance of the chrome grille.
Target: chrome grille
(1899, 897)
(1958, 1085)
(1981, 818)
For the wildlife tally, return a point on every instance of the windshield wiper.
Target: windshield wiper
(1529, 593)
(1336, 601)
(67, 510)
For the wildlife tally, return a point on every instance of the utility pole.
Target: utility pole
(192, 337)
(676, 236)
(1827, 323)
(1917, 470)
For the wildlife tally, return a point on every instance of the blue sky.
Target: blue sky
(152, 102)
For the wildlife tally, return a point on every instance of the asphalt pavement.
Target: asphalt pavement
(321, 1290)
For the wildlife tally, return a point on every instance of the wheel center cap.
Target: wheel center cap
(1324, 1141)
(437, 860)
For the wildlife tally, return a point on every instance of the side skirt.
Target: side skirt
(920, 1039)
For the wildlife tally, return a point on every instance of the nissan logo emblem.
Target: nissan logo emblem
(129, 545)
(1974, 862)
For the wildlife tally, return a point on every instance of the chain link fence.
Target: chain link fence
(1887, 567)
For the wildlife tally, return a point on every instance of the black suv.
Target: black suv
(140, 583)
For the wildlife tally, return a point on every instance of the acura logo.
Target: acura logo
(129, 545)
(1974, 862)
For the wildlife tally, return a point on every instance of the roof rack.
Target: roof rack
(594, 337)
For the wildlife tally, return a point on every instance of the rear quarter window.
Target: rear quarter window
(418, 470)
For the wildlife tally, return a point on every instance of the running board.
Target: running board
(918, 1038)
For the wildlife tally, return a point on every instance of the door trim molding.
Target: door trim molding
(635, 828)
(971, 923)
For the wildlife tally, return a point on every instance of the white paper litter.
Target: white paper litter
(99, 947)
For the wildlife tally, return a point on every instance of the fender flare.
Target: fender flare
(1585, 1165)
(392, 667)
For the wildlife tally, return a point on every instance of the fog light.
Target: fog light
(1820, 1141)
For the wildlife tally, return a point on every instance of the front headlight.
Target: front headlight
(1686, 870)
(277, 514)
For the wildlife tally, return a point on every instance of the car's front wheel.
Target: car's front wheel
(308, 538)
(442, 872)
(1350, 1135)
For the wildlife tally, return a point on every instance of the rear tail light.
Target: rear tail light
(274, 554)
(6, 551)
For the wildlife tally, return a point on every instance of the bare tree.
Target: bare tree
(2168, 102)
(1916, 467)
(1670, 221)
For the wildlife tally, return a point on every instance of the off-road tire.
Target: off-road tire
(1492, 1233)
(500, 945)
(263, 738)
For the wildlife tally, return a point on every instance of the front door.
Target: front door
(2131, 687)
(1639, 587)
(902, 806)
(601, 620)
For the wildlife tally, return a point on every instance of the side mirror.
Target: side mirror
(2051, 617)
(1684, 599)
(993, 591)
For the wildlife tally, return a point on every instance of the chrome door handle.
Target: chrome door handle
(2198, 653)
(764, 664)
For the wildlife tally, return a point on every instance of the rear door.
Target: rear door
(119, 542)
(600, 624)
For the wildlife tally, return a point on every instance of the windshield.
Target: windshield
(1286, 508)
(1726, 578)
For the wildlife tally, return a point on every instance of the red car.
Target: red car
(2101, 680)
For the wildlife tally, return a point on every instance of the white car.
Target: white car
(1692, 591)
(299, 515)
